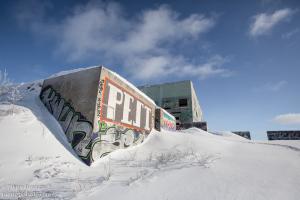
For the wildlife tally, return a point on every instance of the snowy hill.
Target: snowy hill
(37, 162)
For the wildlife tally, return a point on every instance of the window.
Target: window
(183, 102)
(177, 118)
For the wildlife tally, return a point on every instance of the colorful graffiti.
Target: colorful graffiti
(99, 100)
(168, 121)
(112, 138)
(77, 129)
(121, 120)
(122, 108)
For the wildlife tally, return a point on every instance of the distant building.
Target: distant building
(245, 134)
(283, 135)
(179, 99)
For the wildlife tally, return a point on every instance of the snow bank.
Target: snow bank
(36, 159)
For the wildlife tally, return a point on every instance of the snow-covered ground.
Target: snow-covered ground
(37, 162)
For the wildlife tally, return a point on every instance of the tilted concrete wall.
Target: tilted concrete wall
(98, 110)
(124, 115)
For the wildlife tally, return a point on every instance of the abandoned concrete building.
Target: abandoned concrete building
(179, 99)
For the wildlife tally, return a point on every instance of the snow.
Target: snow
(37, 162)
(61, 73)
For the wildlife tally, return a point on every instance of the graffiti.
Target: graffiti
(168, 121)
(114, 137)
(77, 129)
(100, 88)
(164, 120)
(120, 119)
(122, 108)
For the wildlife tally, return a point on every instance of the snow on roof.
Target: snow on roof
(61, 73)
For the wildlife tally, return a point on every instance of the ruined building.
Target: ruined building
(179, 99)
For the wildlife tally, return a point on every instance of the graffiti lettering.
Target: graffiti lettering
(77, 129)
(100, 88)
(114, 138)
(168, 121)
(122, 107)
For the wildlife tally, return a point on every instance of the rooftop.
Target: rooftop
(167, 83)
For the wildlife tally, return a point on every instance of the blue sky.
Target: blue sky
(242, 56)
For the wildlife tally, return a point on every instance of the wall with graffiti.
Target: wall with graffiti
(124, 115)
(164, 120)
(77, 129)
(99, 111)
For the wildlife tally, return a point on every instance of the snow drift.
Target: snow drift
(37, 162)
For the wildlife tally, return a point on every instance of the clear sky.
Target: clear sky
(242, 56)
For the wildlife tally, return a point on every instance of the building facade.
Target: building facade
(179, 99)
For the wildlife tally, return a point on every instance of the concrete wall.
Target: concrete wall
(71, 99)
(124, 116)
(78, 89)
(98, 110)
(164, 120)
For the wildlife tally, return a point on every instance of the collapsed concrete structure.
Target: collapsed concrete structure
(179, 99)
(98, 110)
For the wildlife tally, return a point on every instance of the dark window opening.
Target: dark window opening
(183, 102)
(177, 118)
